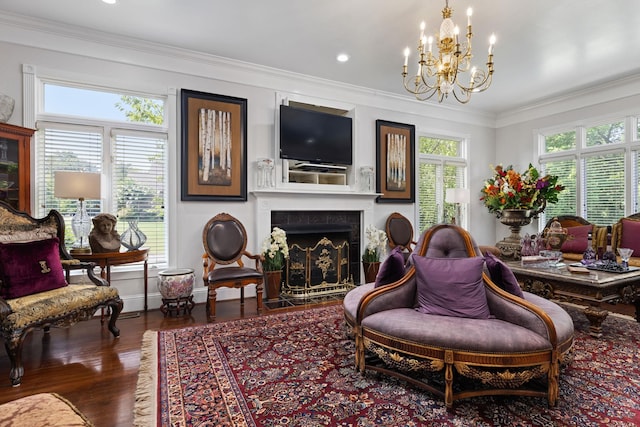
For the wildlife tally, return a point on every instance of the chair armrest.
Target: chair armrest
(88, 267)
(5, 309)
(394, 295)
(513, 309)
(258, 258)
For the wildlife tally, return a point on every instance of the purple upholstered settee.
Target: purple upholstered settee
(523, 338)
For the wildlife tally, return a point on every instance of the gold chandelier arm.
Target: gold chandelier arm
(420, 90)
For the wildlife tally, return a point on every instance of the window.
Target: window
(442, 165)
(591, 163)
(118, 135)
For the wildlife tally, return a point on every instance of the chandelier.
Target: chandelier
(442, 73)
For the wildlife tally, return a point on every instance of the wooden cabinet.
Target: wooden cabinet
(15, 166)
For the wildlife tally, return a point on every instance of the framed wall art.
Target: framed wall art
(214, 147)
(395, 175)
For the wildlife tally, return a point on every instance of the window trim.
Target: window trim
(33, 87)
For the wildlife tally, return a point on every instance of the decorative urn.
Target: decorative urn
(555, 235)
(176, 284)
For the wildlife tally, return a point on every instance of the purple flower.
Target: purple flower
(540, 184)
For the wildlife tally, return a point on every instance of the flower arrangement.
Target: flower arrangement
(376, 244)
(508, 189)
(275, 250)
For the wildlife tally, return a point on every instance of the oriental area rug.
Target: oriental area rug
(297, 369)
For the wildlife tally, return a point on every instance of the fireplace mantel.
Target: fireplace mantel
(312, 194)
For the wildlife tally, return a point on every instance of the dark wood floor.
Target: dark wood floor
(96, 372)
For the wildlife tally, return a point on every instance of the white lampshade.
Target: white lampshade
(76, 185)
(80, 186)
(457, 195)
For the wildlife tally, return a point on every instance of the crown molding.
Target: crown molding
(85, 42)
(611, 90)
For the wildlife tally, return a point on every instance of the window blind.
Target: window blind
(604, 188)
(138, 187)
(568, 199)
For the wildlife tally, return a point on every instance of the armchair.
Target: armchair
(225, 241)
(501, 351)
(34, 289)
(626, 234)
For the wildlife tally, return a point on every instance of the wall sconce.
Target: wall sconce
(82, 186)
(457, 196)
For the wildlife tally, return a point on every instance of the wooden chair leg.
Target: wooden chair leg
(14, 351)
(211, 306)
(116, 307)
(259, 296)
(242, 296)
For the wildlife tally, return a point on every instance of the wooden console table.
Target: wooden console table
(107, 259)
(593, 288)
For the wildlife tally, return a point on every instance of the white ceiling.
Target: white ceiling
(544, 48)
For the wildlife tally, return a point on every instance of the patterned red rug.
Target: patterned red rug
(297, 369)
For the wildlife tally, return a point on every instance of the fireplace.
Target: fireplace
(324, 249)
(284, 208)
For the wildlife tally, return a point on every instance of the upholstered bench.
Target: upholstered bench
(561, 320)
(521, 337)
(42, 410)
(34, 292)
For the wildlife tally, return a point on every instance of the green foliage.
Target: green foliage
(438, 146)
(561, 142)
(141, 110)
(611, 133)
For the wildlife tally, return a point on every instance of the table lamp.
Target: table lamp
(457, 196)
(81, 186)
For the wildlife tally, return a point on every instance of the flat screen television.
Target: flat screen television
(316, 137)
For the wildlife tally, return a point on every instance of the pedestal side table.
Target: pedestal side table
(107, 259)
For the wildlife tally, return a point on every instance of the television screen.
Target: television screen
(314, 136)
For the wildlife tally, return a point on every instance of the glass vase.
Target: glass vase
(133, 238)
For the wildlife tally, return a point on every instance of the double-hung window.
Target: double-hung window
(597, 163)
(118, 135)
(442, 165)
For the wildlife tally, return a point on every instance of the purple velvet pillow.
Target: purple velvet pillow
(392, 268)
(631, 236)
(451, 287)
(31, 267)
(576, 242)
(502, 275)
